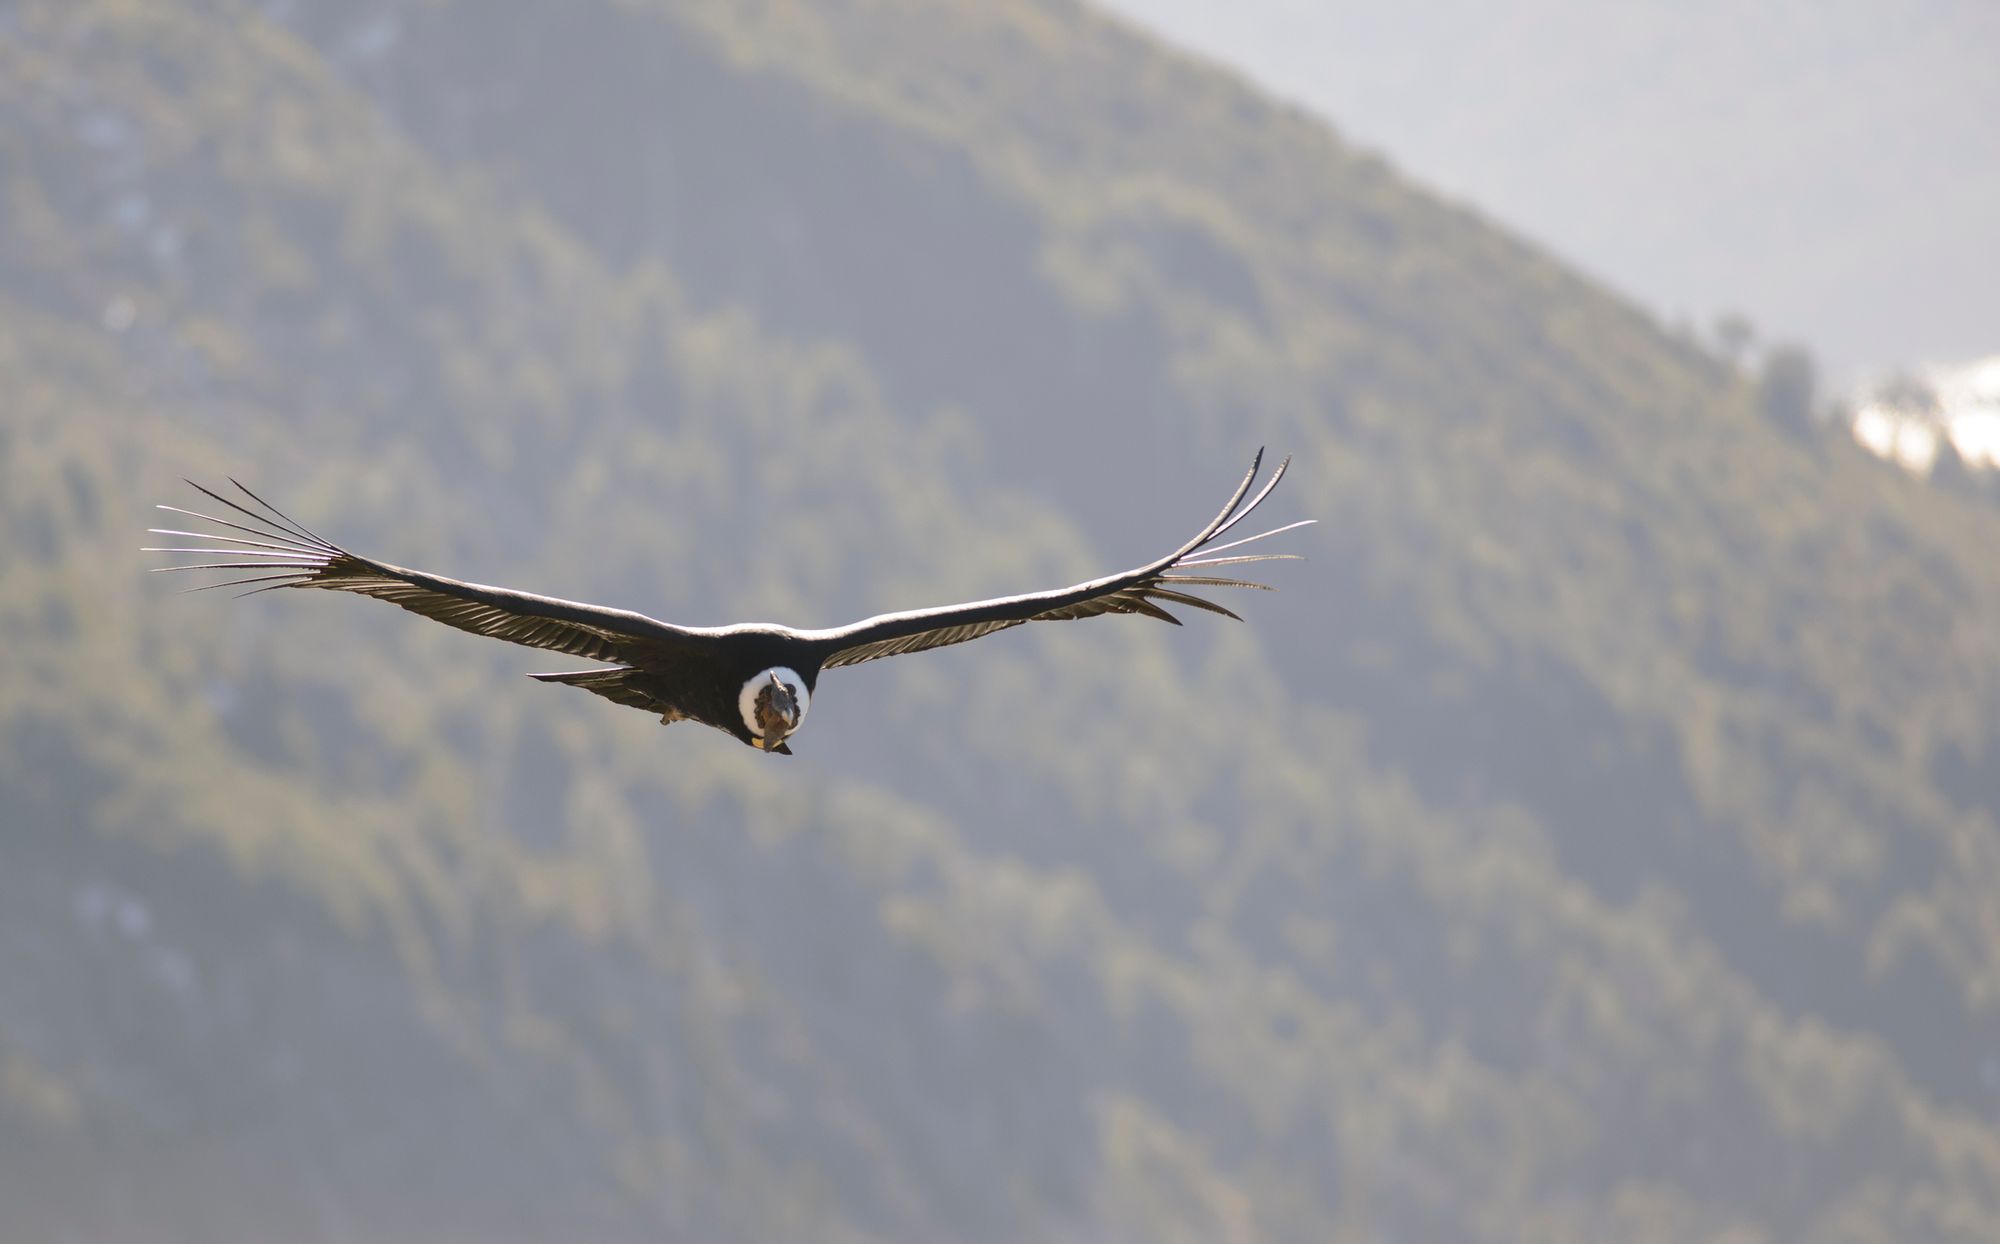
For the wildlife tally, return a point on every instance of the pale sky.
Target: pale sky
(1829, 167)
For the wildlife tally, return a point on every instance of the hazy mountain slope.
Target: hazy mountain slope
(1165, 246)
(1590, 841)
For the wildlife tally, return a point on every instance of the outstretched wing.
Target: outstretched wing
(285, 554)
(1144, 591)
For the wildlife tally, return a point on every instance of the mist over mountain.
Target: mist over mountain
(1595, 839)
(1831, 170)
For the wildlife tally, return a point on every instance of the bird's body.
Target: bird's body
(723, 689)
(753, 681)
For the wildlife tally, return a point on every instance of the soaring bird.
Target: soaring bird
(753, 680)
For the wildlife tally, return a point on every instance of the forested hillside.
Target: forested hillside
(1594, 840)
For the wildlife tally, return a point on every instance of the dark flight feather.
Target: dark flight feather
(581, 630)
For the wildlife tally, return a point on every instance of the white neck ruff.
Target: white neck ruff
(746, 700)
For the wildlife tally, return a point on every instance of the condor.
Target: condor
(752, 680)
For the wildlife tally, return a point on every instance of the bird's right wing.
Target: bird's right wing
(286, 554)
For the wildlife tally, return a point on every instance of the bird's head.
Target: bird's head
(773, 703)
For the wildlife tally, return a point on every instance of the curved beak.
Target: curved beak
(787, 709)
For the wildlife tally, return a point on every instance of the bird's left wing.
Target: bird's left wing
(1143, 590)
(282, 553)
